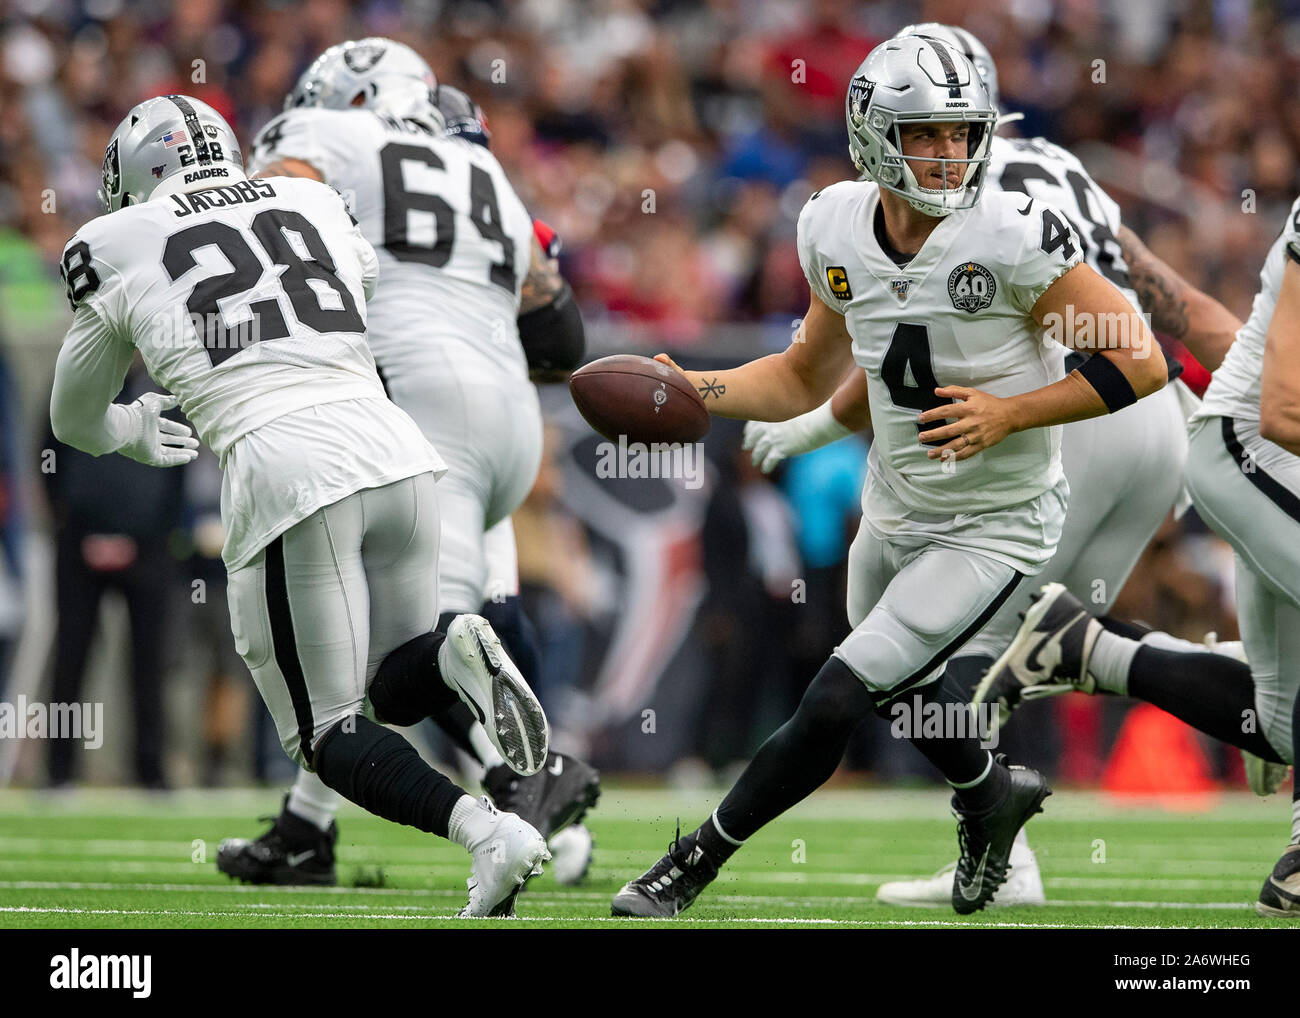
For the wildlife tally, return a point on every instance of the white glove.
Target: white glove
(151, 438)
(774, 441)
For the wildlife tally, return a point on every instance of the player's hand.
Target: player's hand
(980, 421)
(767, 441)
(155, 440)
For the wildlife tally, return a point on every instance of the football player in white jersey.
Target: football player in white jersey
(1243, 472)
(941, 297)
(464, 292)
(246, 298)
(1125, 470)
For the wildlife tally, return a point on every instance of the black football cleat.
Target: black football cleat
(1280, 896)
(293, 851)
(671, 885)
(1049, 654)
(552, 798)
(985, 840)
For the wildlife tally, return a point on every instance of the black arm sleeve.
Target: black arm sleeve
(552, 336)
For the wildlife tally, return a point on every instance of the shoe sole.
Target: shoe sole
(1269, 912)
(510, 713)
(1033, 616)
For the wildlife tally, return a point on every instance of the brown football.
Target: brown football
(640, 398)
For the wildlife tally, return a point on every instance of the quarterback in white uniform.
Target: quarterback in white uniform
(457, 256)
(938, 296)
(1125, 470)
(1243, 472)
(247, 300)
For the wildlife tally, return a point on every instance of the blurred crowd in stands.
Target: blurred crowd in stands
(672, 144)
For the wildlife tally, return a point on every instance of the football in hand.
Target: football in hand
(639, 397)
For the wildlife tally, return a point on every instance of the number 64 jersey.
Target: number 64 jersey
(453, 239)
(247, 301)
(958, 313)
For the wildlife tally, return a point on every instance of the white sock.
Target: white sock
(1112, 656)
(1163, 641)
(1295, 821)
(487, 753)
(313, 800)
(470, 822)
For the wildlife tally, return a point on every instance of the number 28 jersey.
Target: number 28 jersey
(247, 301)
(453, 238)
(957, 314)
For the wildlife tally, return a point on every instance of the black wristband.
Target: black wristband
(1109, 381)
(553, 337)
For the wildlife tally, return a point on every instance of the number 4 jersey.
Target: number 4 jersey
(246, 301)
(453, 239)
(957, 313)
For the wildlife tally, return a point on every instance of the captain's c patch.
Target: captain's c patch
(839, 282)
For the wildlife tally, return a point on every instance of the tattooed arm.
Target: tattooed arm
(1177, 308)
(543, 282)
(288, 168)
(783, 385)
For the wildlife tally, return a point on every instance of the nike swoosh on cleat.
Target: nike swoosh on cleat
(299, 857)
(557, 768)
(977, 883)
(1031, 662)
(1289, 896)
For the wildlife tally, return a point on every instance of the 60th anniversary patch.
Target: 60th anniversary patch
(971, 287)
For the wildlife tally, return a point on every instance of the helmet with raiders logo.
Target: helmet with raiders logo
(972, 49)
(914, 80)
(376, 74)
(159, 140)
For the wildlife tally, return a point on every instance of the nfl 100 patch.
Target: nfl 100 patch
(971, 287)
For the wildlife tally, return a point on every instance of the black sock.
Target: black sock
(800, 755)
(1211, 692)
(1130, 630)
(408, 686)
(456, 720)
(382, 773)
(962, 674)
(1295, 746)
(718, 848)
(958, 754)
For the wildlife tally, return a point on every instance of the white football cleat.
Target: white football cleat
(571, 851)
(474, 664)
(1024, 884)
(509, 852)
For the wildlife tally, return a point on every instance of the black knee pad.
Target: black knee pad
(408, 686)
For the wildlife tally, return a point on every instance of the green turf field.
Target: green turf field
(105, 858)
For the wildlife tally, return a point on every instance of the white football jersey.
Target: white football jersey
(957, 314)
(247, 301)
(1042, 170)
(454, 240)
(1234, 388)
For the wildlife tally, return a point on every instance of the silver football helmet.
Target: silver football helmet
(913, 80)
(164, 137)
(972, 49)
(376, 74)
